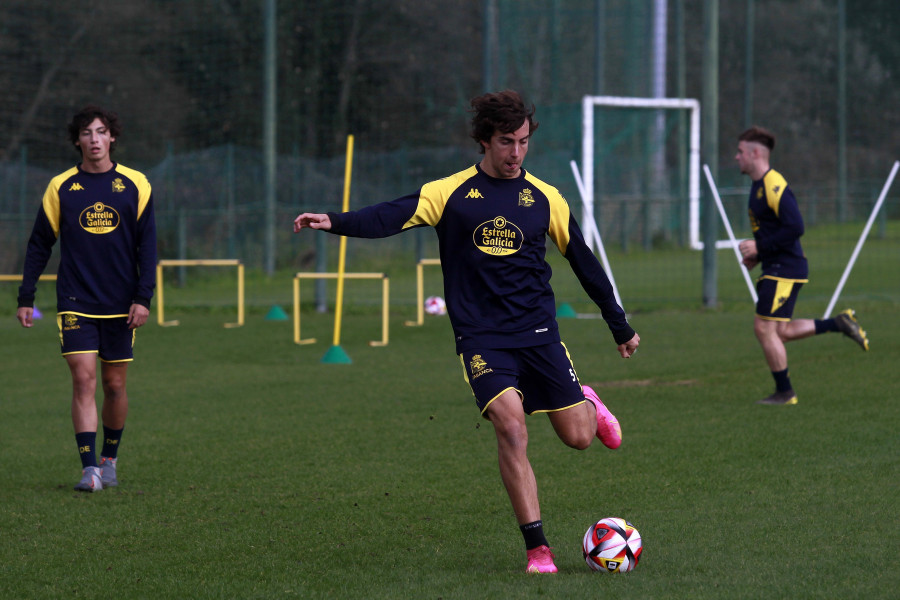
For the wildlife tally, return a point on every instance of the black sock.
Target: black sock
(533, 534)
(825, 325)
(86, 441)
(782, 381)
(111, 439)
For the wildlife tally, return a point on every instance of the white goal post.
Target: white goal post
(587, 151)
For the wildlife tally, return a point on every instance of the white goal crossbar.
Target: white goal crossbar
(587, 151)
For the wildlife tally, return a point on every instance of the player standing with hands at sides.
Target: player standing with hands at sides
(777, 226)
(102, 213)
(492, 220)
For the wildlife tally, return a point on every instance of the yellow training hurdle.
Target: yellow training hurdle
(224, 262)
(50, 277)
(14, 278)
(420, 290)
(385, 302)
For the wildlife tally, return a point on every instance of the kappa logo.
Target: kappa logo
(759, 193)
(525, 198)
(76, 187)
(117, 185)
(474, 193)
(776, 189)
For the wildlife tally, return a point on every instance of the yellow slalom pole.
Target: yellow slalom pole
(336, 353)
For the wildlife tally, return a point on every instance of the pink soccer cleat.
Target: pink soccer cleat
(540, 560)
(608, 429)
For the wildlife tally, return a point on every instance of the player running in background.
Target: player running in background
(492, 220)
(102, 213)
(777, 226)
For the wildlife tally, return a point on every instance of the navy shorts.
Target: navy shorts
(776, 297)
(108, 337)
(543, 376)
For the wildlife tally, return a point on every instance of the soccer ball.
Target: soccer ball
(435, 305)
(612, 545)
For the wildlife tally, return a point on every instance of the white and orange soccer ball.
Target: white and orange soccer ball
(612, 545)
(435, 305)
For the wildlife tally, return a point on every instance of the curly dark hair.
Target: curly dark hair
(501, 111)
(86, 116)
(760, 135)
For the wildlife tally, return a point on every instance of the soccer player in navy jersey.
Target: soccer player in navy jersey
(102, 214)
(492, 221)
(777, 226)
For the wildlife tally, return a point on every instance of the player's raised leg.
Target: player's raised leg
(845, 322)
(608, 429)
(576, 425)
(848, 325)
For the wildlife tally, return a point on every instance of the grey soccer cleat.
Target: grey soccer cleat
(780, 398)
(90, 480)
(108, 471)
(847, 324)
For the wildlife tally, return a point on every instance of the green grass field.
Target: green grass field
(249, 469)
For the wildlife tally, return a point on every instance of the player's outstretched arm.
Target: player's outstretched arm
(313, 221)
(630, 347)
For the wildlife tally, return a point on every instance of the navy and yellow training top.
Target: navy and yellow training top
(492, 240)
(777, 226)
(107, 241)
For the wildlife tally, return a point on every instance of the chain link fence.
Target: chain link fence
(187, 81)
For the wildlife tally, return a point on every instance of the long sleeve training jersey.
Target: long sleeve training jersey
(107, 233)
(492, 242)
(777, 226)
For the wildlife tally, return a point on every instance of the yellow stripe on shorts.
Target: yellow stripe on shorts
(783, 290)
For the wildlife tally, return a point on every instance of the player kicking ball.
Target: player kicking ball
(492, 221)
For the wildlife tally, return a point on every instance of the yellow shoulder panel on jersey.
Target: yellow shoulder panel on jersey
(51, 198)
(775, 185)
(559, 212)
(433, 198)
(143, 186)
